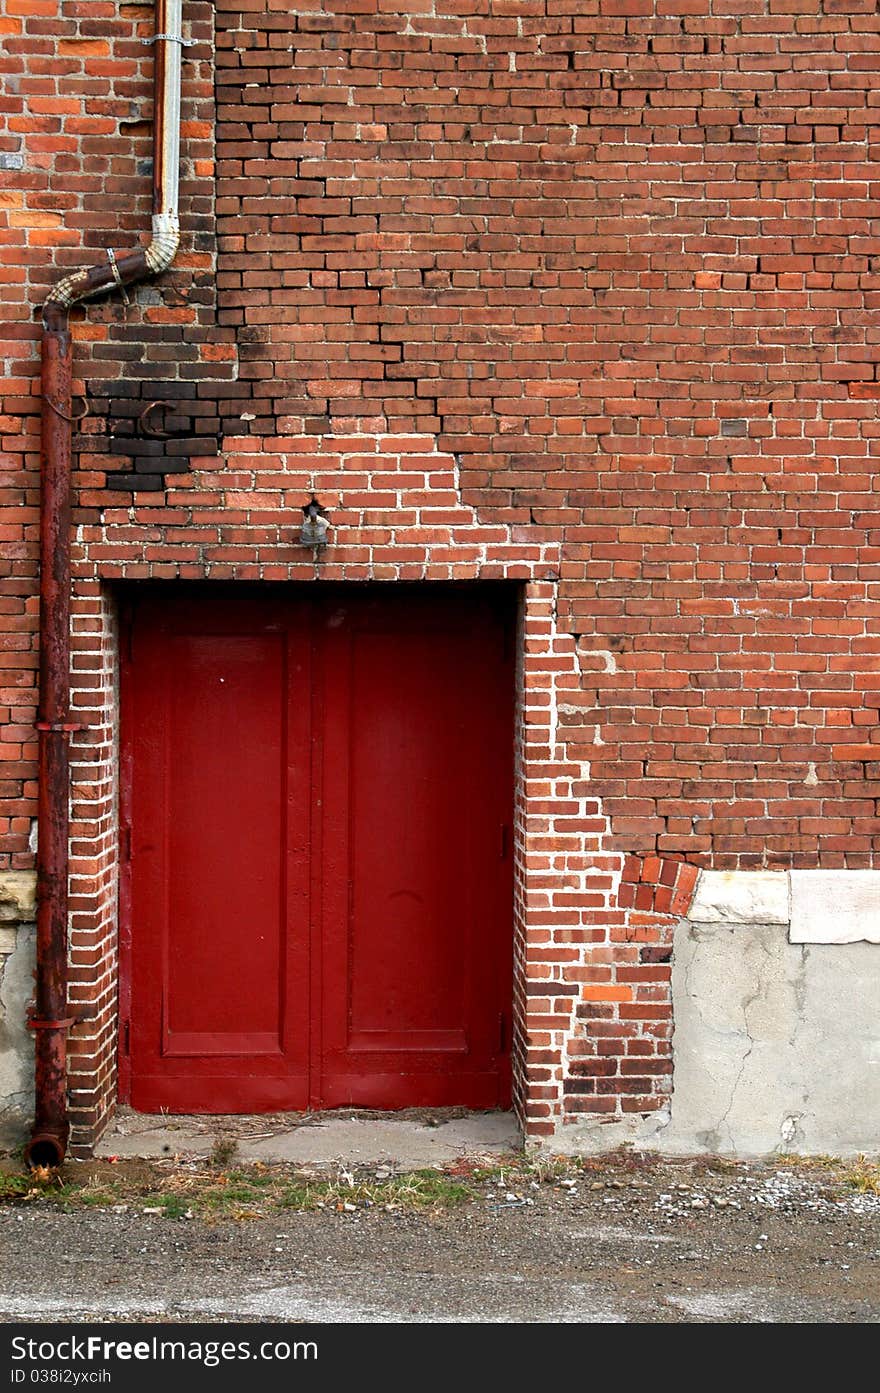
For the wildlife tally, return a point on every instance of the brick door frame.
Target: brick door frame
(565, 917)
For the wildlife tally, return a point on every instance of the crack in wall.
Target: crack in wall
(747, 1004)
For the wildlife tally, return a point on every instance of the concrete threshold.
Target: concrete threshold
(404, 1141)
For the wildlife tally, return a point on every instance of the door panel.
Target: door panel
(416, 781)
(223, 929)
(219, 943)
(319, 883)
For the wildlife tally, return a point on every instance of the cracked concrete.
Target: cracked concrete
(776, 1045)
(348, 1137)
(16, 1046)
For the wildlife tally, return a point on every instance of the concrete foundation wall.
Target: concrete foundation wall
(776, 1045)
(776, 1012)
(16, 989)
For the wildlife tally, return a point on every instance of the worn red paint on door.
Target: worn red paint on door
(316, 844)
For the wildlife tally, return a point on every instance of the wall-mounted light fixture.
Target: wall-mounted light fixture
(315, 524)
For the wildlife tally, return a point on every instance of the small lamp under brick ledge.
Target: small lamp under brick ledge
(315, 525)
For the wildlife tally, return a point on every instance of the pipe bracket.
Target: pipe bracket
(74, 416)
(114, 268)
(171, 39)
(155, 432)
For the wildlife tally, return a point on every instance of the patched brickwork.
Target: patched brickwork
(657, 884)
(613, 266)
(156, 427)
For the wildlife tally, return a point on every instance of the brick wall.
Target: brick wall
(616, 262)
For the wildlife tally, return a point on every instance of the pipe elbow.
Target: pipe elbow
(164, 242)
(67, 292)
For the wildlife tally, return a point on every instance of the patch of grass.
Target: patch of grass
(17, 1187)
(548, 1170)
(43, 1182)
(545, 1170)
(817, 1162)
(425, 1190)
(171, 1206)
(235, 1192)
(258, 1176)
(517, 1171)
(186, 1190)
(92, 1196)
(863, 1176)
(256, 1191)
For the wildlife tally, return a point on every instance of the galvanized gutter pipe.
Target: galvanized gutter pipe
(51, 1016)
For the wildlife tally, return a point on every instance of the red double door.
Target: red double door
(316, 888)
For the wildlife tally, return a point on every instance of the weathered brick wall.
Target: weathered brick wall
(620, 257)
(75, 146)
(617, 260)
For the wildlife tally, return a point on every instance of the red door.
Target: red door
(317, 875)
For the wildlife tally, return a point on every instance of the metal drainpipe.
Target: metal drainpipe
(51, 1016)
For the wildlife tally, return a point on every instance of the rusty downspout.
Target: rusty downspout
(51, 1016)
